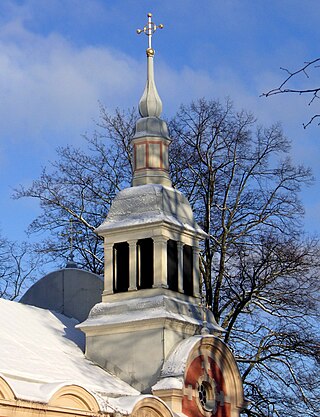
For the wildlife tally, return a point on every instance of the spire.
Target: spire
(151, 139)
(150, 103)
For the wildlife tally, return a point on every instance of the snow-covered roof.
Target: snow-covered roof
(151, 203)
(145, 308)
(174, 366)
(39, 353)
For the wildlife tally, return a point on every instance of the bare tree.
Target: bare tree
(299, 76)
(81, 186)
(259, 272)
(16, 268)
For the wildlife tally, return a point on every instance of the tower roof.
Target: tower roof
(149, 204)
(151, 139)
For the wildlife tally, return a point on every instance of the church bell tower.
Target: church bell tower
(151, 297)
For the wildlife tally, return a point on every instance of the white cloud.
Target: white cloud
(48, 86)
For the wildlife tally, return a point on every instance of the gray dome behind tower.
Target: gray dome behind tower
(70, 291)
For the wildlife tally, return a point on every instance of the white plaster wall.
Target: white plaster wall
(136, 357)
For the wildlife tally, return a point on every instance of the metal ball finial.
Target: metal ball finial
(150, 52)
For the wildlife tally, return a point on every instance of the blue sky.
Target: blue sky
(60, 58)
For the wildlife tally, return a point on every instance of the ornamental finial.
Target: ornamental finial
(71, 235)
(150, 104)
(149, 30)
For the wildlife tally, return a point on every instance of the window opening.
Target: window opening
(187, 270)
(121, 267)
(145, 263)
(172, 265)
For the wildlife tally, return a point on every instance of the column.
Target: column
(196, 271)
(180, 266)
(108, 268)
(132, 265)
(160, 262)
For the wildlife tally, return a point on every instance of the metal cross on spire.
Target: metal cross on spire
(149, 30)
(71, 235)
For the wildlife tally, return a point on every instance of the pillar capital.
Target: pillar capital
(108, 245)
(180, 244)
(132, 242)
(196, 249)
(160, 238)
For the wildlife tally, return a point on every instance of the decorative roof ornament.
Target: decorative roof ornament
(149, 30)
(204, 307)
(150, 103)
(70, 235)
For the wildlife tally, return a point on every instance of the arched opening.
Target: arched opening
(151, 407)
(121, 267)
(74, 397)
(172, 265)
(145, 263)
(187, 270)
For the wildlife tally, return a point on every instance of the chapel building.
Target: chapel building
(150, 350)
